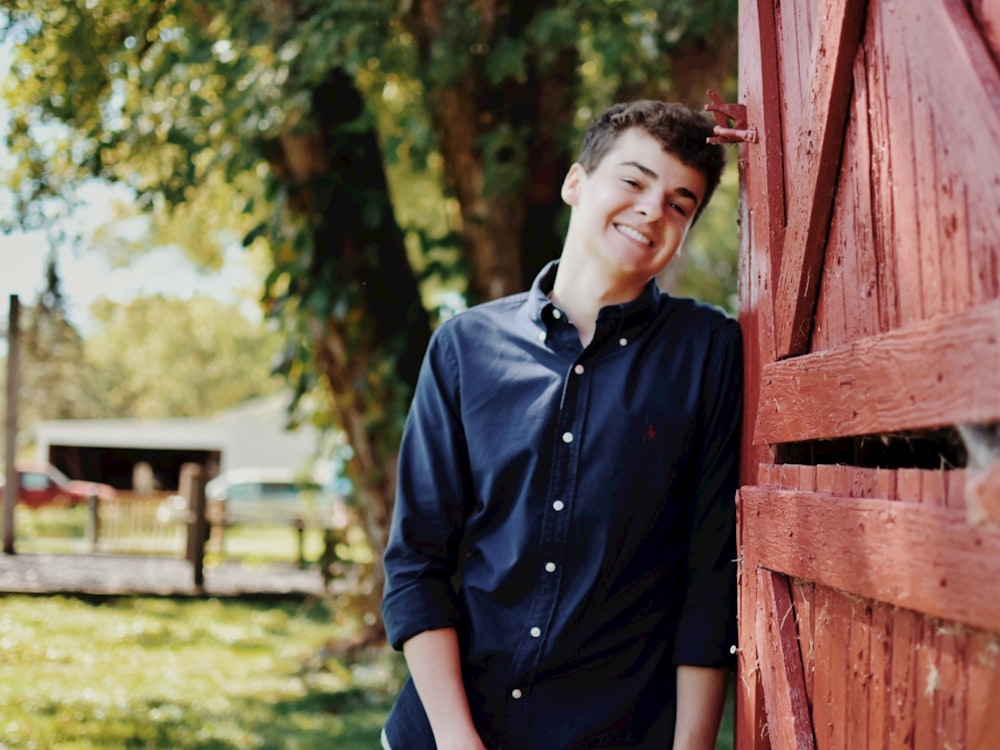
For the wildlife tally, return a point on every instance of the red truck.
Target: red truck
(43, 484)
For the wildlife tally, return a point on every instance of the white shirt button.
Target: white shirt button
(542, 335)
(567, 437)
(578, 369)
(622, 341)
(558, 505)
(556, 313)
(535, 632)
(516, 694)
(550, 567)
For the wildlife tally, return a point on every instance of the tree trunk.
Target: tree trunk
(367, 324)
(505, 144)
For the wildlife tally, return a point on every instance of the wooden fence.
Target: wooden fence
(130, 524)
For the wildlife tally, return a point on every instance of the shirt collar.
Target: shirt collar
(628, 314)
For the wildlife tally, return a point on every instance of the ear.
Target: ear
(572, 184)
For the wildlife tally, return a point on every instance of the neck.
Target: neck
(582, 292)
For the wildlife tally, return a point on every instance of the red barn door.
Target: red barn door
(870, 303)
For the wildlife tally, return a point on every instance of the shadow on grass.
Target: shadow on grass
(348, 720)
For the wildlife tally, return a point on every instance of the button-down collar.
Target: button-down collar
(619, 321)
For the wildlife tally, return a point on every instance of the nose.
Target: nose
(649, 208)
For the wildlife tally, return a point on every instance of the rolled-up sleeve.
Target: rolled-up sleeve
(432, 493)
(707, 627)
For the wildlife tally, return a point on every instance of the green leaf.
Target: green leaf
(253, 234)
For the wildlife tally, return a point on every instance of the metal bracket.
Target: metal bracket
(739, 131)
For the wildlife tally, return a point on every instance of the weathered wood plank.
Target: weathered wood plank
(927, 685)
(883, 214)
(864, 483)
(983, 710)
(951, 694)
(788, 720)
(763, 227)
(938, 561)
(932, 373)
(769, 475)
(827, 658)
(837, 480)
(859, 698)
(955, 488)
(885, 484)
(881, 675)
(903, 679)
(750, 718)
(795, 32)
(847, 300)
(938, 119)
(818, 146)
(987, 15)
(802, 601)
(933, 488)
(909, 485)
(975, 38)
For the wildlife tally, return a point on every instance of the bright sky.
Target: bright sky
(86, 274)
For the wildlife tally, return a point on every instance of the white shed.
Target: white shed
(251, 435)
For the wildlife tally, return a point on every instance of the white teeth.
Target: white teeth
(634, 234)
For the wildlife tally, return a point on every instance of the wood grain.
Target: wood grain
(818, 146)
(933, 373)
(923, 557)
(788, 719)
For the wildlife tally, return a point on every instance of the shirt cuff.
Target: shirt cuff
(706, 637)
(410, 611)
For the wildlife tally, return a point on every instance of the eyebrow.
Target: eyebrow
(650, 173)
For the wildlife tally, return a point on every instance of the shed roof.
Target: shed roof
(252, 434)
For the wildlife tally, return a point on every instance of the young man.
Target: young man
(560, 569)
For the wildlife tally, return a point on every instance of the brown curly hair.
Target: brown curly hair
(680, 130)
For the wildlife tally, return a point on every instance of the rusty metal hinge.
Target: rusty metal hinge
(739, 131)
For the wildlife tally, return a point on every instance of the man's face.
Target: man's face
(632, 212)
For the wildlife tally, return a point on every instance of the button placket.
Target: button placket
(555, 524)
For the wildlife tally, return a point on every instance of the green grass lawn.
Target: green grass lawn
(187, 673)
(203, 674)
(207, 674)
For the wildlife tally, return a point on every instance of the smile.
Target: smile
(634, 234)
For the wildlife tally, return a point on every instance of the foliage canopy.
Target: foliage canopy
(381, 152)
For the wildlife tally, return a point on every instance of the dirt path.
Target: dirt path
(159, 576)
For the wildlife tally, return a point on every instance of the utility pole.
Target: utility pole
(10, 426)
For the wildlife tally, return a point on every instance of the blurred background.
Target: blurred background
(204, 205)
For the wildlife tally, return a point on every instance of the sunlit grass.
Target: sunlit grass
(205, 674)
(265, 544)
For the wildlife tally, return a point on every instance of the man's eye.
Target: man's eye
(679, 208)
(631, 183)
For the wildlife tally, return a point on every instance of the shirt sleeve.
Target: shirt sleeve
(432, 491)
(707, 627)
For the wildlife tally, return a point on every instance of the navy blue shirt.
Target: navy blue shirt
(570, 511)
